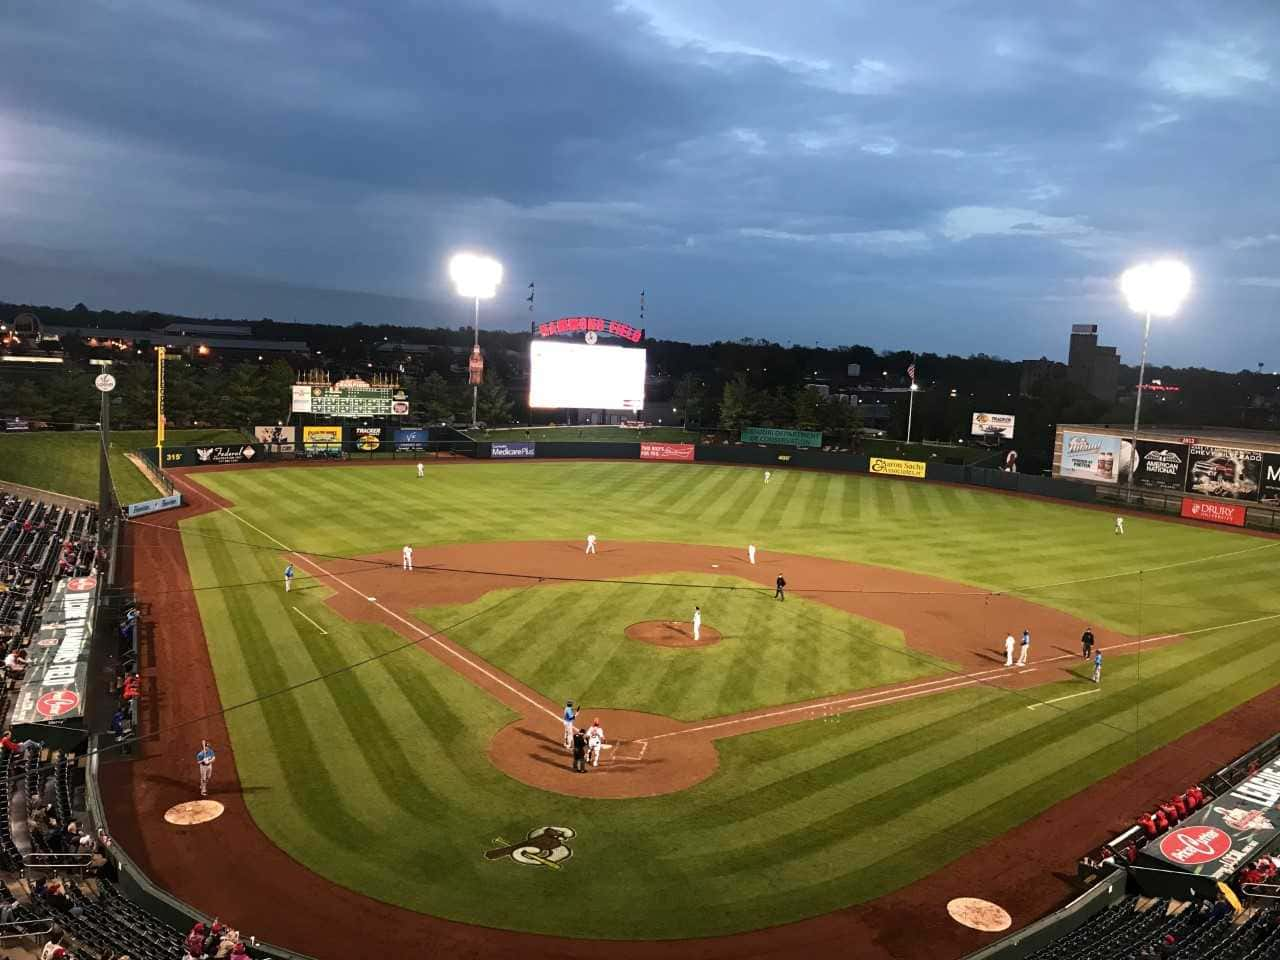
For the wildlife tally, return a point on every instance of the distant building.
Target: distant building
(1094, 367)
(1037, 374)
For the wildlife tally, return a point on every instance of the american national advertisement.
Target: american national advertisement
(1269, 491)
(995, 425)
(322, 438)
(1094, 457)
(1161, 466)
(898, 468)
(666, 451)
(1232, 829)
(1229, 473)
(279, 439)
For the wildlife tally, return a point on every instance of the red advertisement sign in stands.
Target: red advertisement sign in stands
(1230, 513)
(666, 451)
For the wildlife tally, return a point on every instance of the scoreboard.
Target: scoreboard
(343, 401)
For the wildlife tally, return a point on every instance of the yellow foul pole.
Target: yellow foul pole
(160, 405)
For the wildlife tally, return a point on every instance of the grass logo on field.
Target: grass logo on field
(543, 847)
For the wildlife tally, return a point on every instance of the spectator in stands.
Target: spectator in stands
(15, 661)
(54, 950)
(195, 940)
(7, 742)
(118, 722)
(1169, 945)
(1170, 812)
(1162, 822)
(1148, 825)
(1180, 805)
(228, 943)
(1250, 874)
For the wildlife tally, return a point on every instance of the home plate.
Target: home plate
(193, 812)
(715, 566)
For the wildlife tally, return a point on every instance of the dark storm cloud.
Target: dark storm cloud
(931, 175)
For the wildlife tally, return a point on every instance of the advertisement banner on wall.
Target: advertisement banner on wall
(1207, 510)
(234, 453)
(525, 448)
(56, 679)
(279, 439)
(1095, 457)
(782, 438)
(898, 468)
(1161, 466)
(367, 438)
(301, 401)
(1269, 488)
(322, 438)
(994, 425)
(411, 439)
(153, 506)
(1229, 473)
(666, 451)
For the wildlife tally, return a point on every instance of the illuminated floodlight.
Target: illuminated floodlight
(1157, 288)
(475, 276)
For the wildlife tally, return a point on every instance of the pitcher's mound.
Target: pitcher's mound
(979, 914)
(193, 812)
(672, 633)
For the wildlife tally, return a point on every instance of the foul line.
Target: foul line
(387, 610)
(310, 621)
(1069, 696)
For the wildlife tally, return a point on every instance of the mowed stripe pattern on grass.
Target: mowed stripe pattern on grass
(378, 778)
(568, 641)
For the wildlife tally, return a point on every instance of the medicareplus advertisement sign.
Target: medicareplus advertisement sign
(1234, 828)
(1161, 466)
(1095, 457)
(666, 451)
(1269, 489)
(513, 451)
(1212, 512)
(1229, 473)
(54, 686)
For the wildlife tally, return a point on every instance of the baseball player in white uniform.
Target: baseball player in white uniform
(697, 623)
(1026, 648)
(422, 471)
(751, 553)
(407, 554)
(1008, 650)
(1119, 524)
(595, 740)
(591, 543)
(767, 476)
(569, 714)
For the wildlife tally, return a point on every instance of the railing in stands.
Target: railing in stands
(57, 861)
(21, 929)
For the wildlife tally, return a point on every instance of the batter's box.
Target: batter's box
(630, 751)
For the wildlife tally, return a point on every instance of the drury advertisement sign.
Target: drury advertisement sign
(1218, 840)
(1229, 513)
(53, 688)
(666, 451)
(1095, 457)
(1229, 473)
(525, 448)
(1161, 466)
(898, 468)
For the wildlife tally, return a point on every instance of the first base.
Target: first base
(372, 599)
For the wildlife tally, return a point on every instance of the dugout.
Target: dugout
(1212, 474)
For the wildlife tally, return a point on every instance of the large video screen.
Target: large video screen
(585, 375)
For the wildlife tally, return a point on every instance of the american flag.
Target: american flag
(911, 371)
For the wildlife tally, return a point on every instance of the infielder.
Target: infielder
(1026, 648)
(751, 553)
(1097, 666)
(204, 759)
(569, 714)
(595, 740)
(591, 543)
(767, 476)
(422, 471)
(288, 577)
(1119, 524)
(1008, 650)
(407, 554)
(697, 623)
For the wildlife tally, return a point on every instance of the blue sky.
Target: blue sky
(947, 176)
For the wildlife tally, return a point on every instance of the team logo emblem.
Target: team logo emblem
(57, 702)
(591, 336)
(1191, 846)
(81, 584)
(1244, 820)
(543, 847)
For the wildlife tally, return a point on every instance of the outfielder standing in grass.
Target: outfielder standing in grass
(422, 471)
(751, 553)
(204, 760)
(1119, 524)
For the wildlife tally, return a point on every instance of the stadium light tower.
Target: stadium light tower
(1154, 289)
(476, 277)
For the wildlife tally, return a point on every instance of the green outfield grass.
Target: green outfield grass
(378, 779)
(67, 463)
(770, 653)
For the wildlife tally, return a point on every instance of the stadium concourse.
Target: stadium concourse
(1017, 870)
